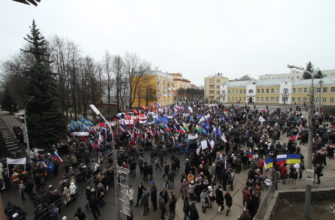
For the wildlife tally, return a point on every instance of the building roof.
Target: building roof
(276, 82)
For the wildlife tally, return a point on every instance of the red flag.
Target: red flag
(135, 111)
(102, 125)
(95, 146)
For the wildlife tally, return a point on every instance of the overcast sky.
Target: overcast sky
(194, 37)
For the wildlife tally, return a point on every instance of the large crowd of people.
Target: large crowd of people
(206, 145)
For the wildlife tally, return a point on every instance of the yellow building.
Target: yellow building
(153, 87)
(213, 85)
(279, 91)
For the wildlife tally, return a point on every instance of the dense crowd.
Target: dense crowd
(213, 144)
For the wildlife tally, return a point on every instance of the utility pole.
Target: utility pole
(309, 167)
(96, 111)
(26, 128)
(320, 98)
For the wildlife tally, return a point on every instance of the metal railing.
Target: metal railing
(263, 206)
(289, 184)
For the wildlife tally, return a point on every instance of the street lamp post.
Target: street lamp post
(320, 95)
(26, 128)
(309, 168)
(96, 111)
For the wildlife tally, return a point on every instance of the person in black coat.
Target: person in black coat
(219, 198)
(252, 206)
(162, 205)
(80, 214)
(95, 208)
(172, 206)
(153, 196)
(318, 172)
(186, 208)
(150, 170)
(139, 194)
(166, 169)
(229, 202)
(194, 215)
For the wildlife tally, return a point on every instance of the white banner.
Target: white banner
(80, 134)
(128, 122)
(204, 144)
(16, 161)
(192, 137)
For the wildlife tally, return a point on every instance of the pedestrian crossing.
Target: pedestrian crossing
(10, 141)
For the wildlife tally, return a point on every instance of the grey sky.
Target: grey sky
(194, 37)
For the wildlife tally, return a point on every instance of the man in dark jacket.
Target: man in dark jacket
(80, 214)
(139, 194)
(153, 195)
(145, 201)
(186, 209)
(193, 212)
(172, 206)
(252, 206)
(162, 205)
(219, 198)
(166, 169)
(95, 208)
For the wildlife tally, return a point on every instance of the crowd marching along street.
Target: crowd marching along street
(218, 142)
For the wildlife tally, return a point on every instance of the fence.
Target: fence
(281, 185)
(265, 202)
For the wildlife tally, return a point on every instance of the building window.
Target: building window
(229, 91)
(299, 90)
(272, 99)
(257, 99)
(257, 90)
(277, 91)
(317, 100)
(293, 99)
(228, 99)
(218, 81)
(218, 87)
(299, 99)
(262, 99)
(325, 90)
(266, 99)
(332, 89)
(262, 90)
(293, 90)
(318, 90)
(267, 90)
(305, 90)
(218, 92)
(324, 99)
(331, 100)
(277, 99)
(241, 91)
(272, 91)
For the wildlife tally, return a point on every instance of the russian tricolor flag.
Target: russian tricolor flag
(250, 155)
(56, 157)
(281, 158)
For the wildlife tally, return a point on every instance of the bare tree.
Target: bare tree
(107, 65)
(121, 86)
(135, 71)
(150, 95)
